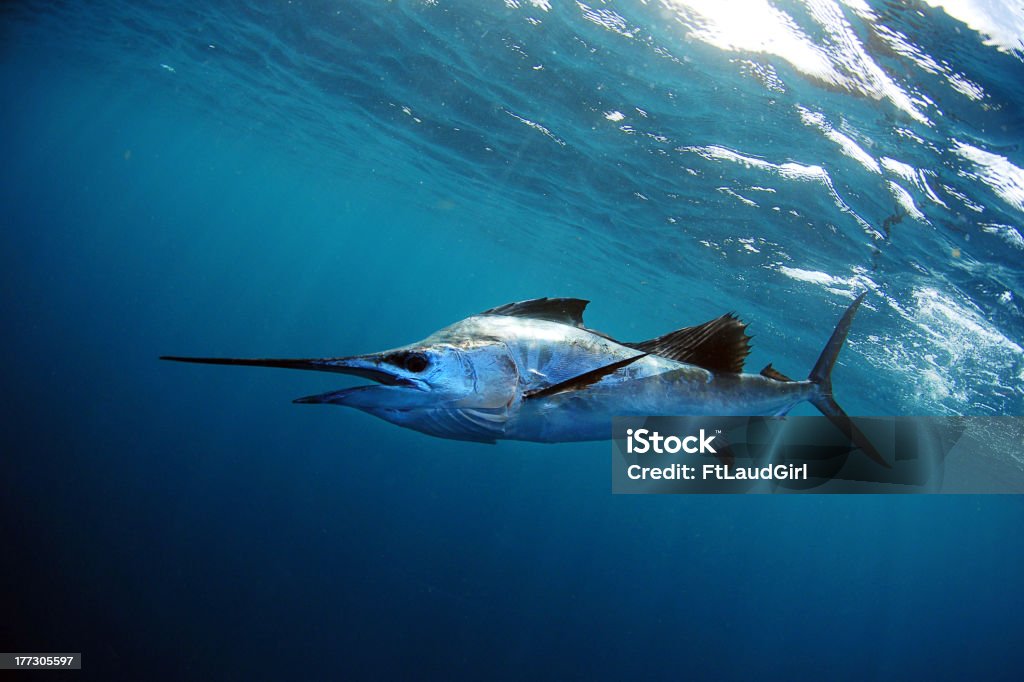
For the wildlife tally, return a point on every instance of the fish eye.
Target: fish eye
(415, 362)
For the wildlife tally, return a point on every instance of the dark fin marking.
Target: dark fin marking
(720, 345)
(583, 380)
(565, 310)
(773, 373)
(822, 376)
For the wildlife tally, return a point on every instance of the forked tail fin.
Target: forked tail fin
(822, 376)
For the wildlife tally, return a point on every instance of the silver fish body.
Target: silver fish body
(532, 371)
(541, 353)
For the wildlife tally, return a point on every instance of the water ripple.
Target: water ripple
(783, 151)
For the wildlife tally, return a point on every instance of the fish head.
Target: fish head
(458, 383)
(447, 386)
(425, 374)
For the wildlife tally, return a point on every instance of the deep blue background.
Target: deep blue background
(190, 523)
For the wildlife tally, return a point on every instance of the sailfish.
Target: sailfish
(532, 371)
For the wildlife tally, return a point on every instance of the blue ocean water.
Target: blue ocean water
(325, 178)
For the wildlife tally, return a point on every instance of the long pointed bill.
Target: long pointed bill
(366, 366)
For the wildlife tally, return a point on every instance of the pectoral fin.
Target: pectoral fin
(583, 380)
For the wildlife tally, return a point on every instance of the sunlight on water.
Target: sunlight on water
(805, 149)
(787, 171)
(845, 143)
(1000, 22)
(1005, 179)
(757, 26)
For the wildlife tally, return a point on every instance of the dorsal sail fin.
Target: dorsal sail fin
(720, 345)
(773, 373)
(583, 380)
(565, 310)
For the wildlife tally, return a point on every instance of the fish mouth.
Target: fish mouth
(373, 373)
(392, 390)
(371, 367)
(365, 397)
